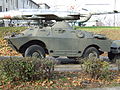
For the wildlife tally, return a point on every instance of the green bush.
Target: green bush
(97, 68)
(27, 69)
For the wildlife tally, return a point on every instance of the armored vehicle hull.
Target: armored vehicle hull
(59, 40)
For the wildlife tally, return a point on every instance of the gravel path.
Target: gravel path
(106, 88)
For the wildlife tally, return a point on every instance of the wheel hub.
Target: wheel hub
(37, 55)
(93, 55)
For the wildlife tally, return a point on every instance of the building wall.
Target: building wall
(6, 5)
(2, 7)
(27, 4)
(43, 6)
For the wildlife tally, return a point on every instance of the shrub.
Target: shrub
(27, 69)
(97, 68)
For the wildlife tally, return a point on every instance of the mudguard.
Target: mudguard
(115, 47)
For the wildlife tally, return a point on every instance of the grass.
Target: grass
(4, 48)
(7, 30)
(112, 33)
(98, 28)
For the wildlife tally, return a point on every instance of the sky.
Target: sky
(90, 5)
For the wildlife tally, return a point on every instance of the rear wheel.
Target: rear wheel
(91, 52)
(35, 51)
(113, 57)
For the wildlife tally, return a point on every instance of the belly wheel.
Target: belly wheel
(91, 52)
(35, 51)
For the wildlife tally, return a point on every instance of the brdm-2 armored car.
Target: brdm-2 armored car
(61, 40)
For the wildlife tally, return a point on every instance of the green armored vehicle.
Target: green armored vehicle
(60, 40)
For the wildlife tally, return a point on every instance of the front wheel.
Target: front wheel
(35, 51)
(91, 52)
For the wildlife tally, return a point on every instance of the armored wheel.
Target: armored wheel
(91, 52)
(35, 51)
(113, 57)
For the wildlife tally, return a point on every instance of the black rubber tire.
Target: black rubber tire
(35, 51)
(113, 57)
(91, 51)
